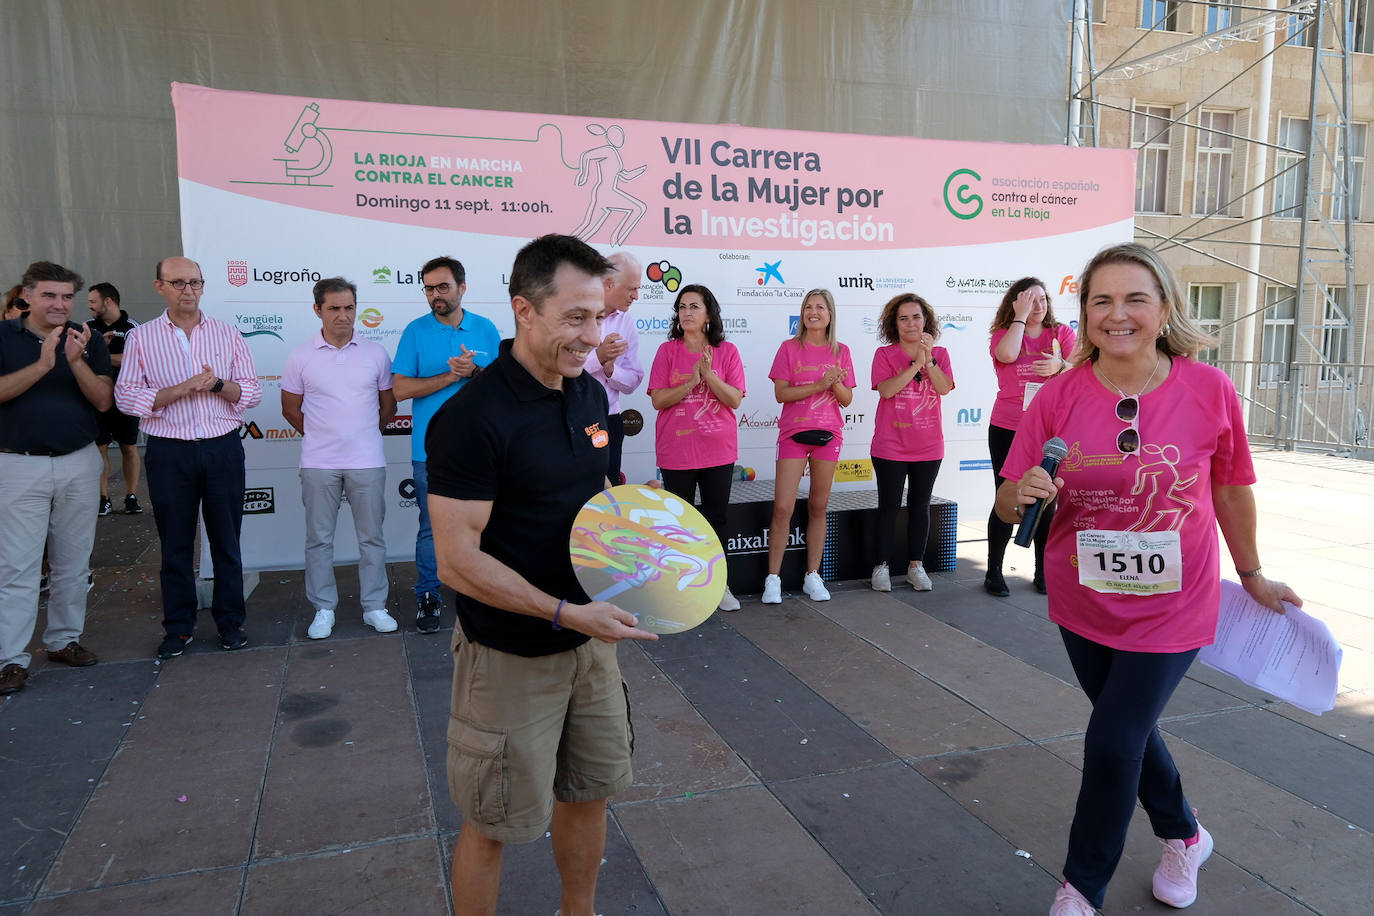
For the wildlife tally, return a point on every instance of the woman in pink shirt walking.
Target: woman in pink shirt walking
(911, 375)
(1157, 461)
(813, 378)
(1029, 347)
(696, 382)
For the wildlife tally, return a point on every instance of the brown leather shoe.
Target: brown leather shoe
(75, 654)
(12, 678)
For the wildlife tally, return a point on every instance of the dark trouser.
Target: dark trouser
(186, 476)
(715, 491)
(616, 427)
(999, 532)
(1124, 758)
(919, 477)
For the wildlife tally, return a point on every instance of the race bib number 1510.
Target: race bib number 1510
(1130, 562)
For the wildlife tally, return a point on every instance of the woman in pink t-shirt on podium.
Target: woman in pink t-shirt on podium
(911, 375)
(813, 378)
(1157, 461)
(1028, 349)
(696, 382)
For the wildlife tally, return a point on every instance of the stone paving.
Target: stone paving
(879, 753)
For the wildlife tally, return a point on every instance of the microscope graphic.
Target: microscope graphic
(307, 132)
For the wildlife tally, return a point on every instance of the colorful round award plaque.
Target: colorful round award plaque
(651, 553)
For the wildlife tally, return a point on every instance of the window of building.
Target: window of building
(1150, 131)
(1204, 304)
(1335, 334)
(1215, 146)
(1288, 189)
(1159, 14)
(1359, 137)
(1222, 14)
(1276, 346)
(1360, 12)
(1302, 31)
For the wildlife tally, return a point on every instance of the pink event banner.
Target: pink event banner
(618, 181)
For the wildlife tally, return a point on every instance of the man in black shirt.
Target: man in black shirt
(114, 324)
(539, 730)
(54, 380)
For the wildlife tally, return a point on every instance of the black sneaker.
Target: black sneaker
(131, 506)
(106, 507)
(994, 584)
(173, 646)
(233, 639)
(1039, 582)
(427, 619)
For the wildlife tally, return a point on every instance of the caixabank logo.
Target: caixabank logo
(259, 501)
(769, 284)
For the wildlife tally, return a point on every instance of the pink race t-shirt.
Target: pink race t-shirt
(1012, 377)
(801, 364)
(1192, 439)
(908, 426)
(698, 431)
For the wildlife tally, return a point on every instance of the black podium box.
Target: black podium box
(850, 521)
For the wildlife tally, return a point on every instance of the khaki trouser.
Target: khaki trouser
(53, 501)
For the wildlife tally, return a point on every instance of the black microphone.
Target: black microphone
(1056, 450)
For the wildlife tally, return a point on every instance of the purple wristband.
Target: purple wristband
(558, 610)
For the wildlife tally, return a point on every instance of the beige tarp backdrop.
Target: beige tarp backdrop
(87, 151)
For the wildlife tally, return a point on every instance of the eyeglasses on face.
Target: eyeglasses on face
(440, 289)
(180, 285)
(1128, 411)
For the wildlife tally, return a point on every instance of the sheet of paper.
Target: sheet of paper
(1293, 656)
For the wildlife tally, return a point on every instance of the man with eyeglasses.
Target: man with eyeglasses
(436, 357)
(190, 377)
(615, 362)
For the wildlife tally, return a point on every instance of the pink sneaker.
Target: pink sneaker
(1176, 878)
(1069, 902)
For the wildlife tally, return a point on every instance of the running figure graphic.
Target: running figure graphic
(607, 196)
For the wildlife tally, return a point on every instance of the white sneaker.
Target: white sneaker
(772, 590)
(916, 575)
(815, 588)
(380, 621)
(728, 602)
(880, 580)
(322, 625)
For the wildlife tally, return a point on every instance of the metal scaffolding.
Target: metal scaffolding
(1323, 239)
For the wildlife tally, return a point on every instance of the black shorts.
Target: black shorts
(117, 427)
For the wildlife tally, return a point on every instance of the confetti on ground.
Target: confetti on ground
(181, 798)
(1023, 854)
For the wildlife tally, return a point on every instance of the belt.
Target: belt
(36, 452)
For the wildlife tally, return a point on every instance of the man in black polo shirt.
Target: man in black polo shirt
(114, 324)
(539, 730)
(54, 380)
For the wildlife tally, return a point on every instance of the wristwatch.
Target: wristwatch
(218, 386)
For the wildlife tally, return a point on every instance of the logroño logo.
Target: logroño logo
(238, 273)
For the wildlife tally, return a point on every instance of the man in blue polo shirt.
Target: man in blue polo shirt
(437, 355)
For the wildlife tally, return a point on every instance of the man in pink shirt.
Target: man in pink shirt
(615, 362)
(190, 377)
(336, 392)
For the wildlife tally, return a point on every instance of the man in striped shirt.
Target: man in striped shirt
(190, 378)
